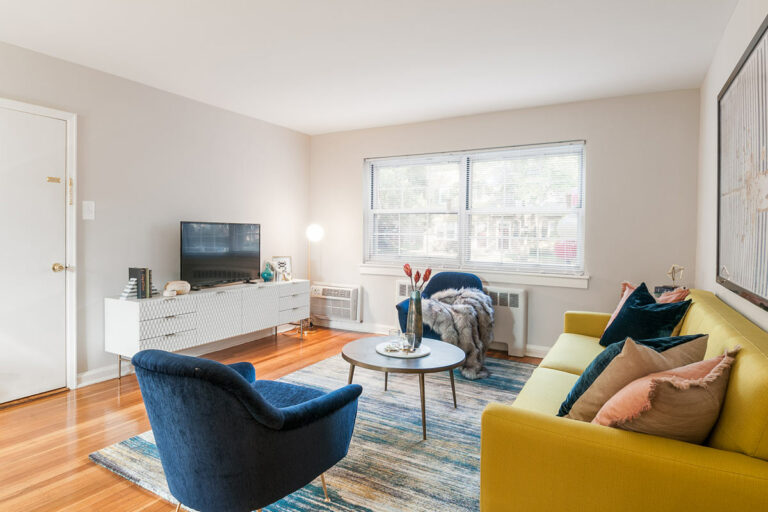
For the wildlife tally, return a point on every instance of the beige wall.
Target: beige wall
(150, 159)
(746, 19)
(640, 194)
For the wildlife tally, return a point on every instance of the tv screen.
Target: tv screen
(216, 252)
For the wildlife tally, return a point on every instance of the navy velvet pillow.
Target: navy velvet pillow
(641, 318)
(605, 357)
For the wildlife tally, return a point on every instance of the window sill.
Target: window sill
(554, 280)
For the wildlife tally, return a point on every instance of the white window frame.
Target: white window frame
(463, 262)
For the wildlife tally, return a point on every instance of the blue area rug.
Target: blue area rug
(388, 468)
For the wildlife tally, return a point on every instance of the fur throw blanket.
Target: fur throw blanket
(463, 318)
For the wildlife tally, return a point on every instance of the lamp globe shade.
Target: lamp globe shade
(315, 232)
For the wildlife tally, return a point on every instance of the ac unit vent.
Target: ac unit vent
(403, 289)
(335, 302)
(344, 293)
(504, 299)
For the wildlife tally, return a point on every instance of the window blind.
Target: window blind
(515, 209)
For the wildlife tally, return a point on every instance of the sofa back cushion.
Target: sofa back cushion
(743, 423)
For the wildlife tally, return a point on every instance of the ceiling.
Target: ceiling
(320, 66)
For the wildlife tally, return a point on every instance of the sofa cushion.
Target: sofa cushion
(682, 403)
(743, 423)
(545, 390)
(623, 362)
(572, 353)
(642, 317)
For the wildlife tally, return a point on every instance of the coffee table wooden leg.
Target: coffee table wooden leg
(386, 377)
(453, 388)
(351, 373)
(423, 408)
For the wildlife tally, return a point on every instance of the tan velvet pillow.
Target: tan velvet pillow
(683, 403)
(633, 362)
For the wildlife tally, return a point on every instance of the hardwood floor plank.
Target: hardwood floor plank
(45, 442)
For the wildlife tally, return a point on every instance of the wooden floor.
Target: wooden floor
(44, 443)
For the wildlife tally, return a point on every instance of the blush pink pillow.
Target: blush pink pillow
(676, 295)
(626, 290)
(682, 404)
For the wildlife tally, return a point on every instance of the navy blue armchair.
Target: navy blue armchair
(440, 281)
(229, 442)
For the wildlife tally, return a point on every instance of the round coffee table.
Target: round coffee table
(444, 357)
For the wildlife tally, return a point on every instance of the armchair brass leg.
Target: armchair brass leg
(178, 506)
(325, 489)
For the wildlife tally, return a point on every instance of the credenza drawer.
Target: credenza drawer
(293, 301)
(293, 288)
(167, 306)
(167, 325)
(171, 342)
(293, 315)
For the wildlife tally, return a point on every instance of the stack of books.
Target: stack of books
(143, 278)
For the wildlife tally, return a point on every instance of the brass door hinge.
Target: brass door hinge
(71, 193)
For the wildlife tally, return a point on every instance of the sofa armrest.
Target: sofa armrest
(586, 323)
(532, 461)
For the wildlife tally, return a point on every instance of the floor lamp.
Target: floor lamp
(315, 233)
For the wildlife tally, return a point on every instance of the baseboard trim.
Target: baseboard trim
(354, 326)
(109, 371)
(536, 350)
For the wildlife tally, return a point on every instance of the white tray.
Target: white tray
(422, 351)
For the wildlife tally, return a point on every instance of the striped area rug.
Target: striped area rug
(389, 468)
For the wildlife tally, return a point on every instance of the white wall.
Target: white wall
(746, 19)
(640, 194)
(150, 159)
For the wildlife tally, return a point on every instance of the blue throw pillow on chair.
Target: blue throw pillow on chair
(642, 318)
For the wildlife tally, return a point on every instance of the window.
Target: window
(518, 209)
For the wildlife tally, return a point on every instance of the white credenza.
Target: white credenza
(199, 317)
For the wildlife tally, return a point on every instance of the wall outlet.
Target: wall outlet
(89, 210)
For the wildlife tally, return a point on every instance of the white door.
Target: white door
(32, 239)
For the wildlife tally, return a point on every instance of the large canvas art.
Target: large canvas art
(742, 264)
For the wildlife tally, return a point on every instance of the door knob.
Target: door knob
(57, 267)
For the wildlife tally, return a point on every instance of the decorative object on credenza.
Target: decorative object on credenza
(180, 287)
(283, 268)
(129, 290)
(675, 272)
(268, 273)
(742, 237)
(143, 278)
(414, 324)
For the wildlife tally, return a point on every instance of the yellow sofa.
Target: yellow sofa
(532, 460)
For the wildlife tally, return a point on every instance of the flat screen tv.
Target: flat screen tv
(217, 252)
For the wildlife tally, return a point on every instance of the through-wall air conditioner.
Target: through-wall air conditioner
(335, 302)
(510, 307)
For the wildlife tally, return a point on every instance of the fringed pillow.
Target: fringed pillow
(681, 404)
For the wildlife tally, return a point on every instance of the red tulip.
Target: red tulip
(407, 269)
(427, 274)
(417, 277)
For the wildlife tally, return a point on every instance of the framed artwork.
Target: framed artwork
(742, 202)
(283, 268)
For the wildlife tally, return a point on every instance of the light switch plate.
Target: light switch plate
(89, 210)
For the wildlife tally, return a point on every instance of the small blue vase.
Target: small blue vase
(267, 275)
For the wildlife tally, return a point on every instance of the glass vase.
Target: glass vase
(414, 324)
